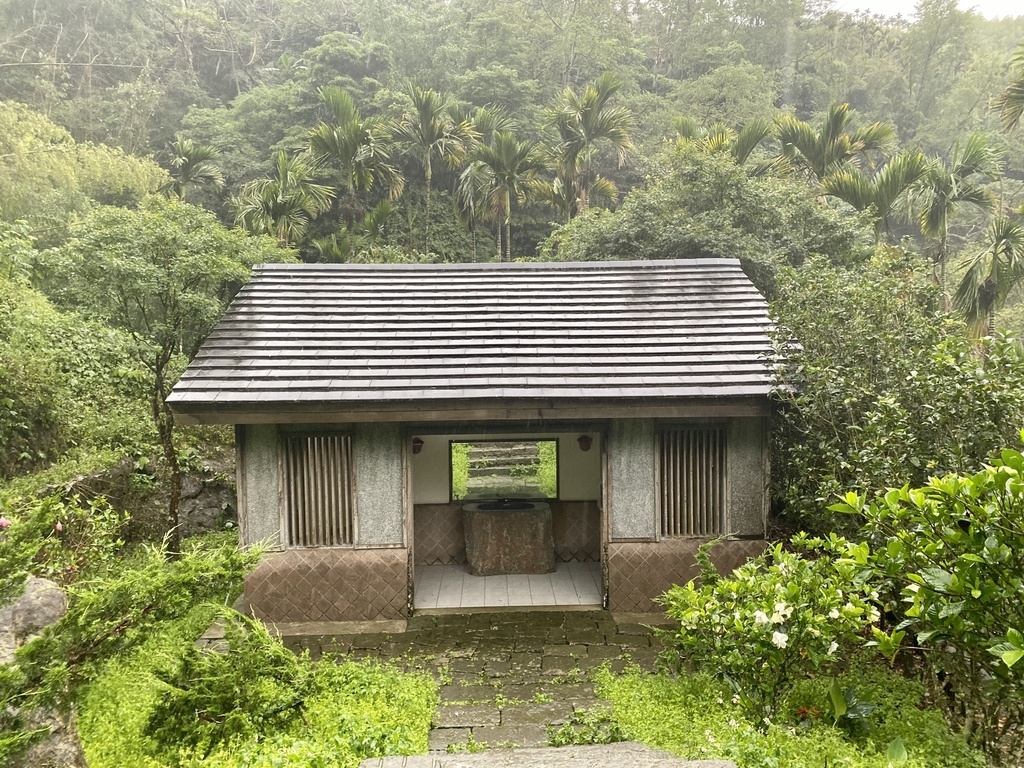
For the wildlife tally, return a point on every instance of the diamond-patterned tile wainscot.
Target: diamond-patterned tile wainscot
(329, 584)
(640, 571)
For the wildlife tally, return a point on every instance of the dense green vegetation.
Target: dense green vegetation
(692, 716)
(866, 170)
(258, 704)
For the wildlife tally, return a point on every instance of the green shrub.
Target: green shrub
(111, 614)
(65, 540)
(547, 472)
(693, 717)
(253, 704)
(880, 389)
(897, 713)
(954, 549)
(213, 698)
(460, 470)
(775, 620)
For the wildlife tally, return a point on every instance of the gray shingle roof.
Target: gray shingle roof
(354, 336)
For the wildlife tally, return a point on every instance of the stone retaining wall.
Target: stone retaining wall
(330, 584)
(640, 571)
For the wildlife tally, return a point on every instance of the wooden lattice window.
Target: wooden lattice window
(692, 464)
(318, 490)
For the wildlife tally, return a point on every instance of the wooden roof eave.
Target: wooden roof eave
(472, 410)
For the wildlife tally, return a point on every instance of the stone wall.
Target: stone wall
(329, 584)
(638, 572)
(366, 582)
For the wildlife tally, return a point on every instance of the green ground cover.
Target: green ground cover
(693, 716)
(256, 704)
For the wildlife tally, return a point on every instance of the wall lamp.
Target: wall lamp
(585, 441)
(417, 445)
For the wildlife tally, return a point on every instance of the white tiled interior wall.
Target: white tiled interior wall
(451, 586)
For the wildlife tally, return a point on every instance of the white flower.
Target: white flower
(834, 613)
(780, 639)
(873, 615)
(778, 618)
(833, 648)
(814, 632)
(760, 617)
(785, 610)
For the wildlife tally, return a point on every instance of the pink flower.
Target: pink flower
(4, 522)
(59, 527)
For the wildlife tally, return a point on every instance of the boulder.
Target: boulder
(41, 605)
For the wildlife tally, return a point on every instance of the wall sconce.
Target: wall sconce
(585, 441)
(417, 445)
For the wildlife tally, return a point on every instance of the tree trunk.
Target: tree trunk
(164, 421)
(947, 305)
(426, 236)
(508, 226)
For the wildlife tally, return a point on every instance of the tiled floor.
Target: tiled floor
(450, 586)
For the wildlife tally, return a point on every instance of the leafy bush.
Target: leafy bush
(547, 472)
(63, 540)
(955, 550)
(775, 620)
(897, 711)
(253, 704)
(110, 615)
(697, 204)
(693, 717)
(215, 698)
(460, 470)
(879, 389)
(68, 385)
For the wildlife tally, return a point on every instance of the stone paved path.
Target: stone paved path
(622, 755)
(506, 678)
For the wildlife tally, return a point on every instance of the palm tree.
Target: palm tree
(719, 137)
(282, 206)
(1010, 103)
(581, 120)
(564, 194)
(880, 193)
(192, 163)
(501, 172)
(822, 150)
(429, 132)
(356, 240)
(361, 147)
(944, 188)
(992, 275)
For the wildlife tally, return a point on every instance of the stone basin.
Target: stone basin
(508, 537)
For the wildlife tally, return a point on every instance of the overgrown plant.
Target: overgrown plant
(110, 615)
(880, 388)
(216, 696)
(954, 548)
(61, 539)
(775, 620)
(163, 275)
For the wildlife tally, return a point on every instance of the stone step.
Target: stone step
(626, 754)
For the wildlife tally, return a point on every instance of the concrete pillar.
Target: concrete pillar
(748, 477)
(259, 507)
(378, 454)
(631, 479)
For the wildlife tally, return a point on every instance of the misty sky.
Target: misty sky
(992, 9)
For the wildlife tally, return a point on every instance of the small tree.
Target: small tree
(164, 274)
